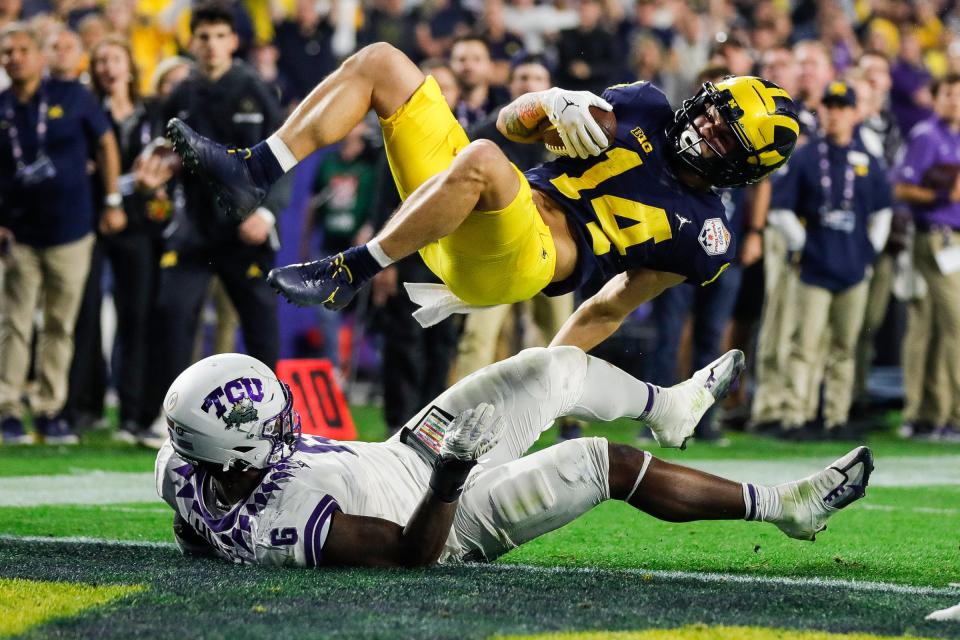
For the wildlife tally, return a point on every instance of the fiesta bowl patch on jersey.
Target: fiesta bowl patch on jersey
(714, 237)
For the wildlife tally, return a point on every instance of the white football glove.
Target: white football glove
(472, 433)
(569, 112)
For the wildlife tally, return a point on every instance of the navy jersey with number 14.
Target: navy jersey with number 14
(626, 207)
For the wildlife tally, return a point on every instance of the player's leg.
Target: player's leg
(480, 178)
(680, 494)
(378, 77)
(537, 386)
(516, 502)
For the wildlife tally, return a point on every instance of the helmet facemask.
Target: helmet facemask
(283, 429)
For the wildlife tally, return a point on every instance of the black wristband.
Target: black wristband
(754, 230)
(448, 477)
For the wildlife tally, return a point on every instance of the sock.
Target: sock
(361, 263)
(379, 254)
(762, 503)
(269, 160)
(609, 393)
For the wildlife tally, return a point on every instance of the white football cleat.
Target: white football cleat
(950, 613)
(677, 410)
(808, 503)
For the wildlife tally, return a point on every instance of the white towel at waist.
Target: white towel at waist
(437, 302)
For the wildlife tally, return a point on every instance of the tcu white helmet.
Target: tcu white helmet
(231, 409)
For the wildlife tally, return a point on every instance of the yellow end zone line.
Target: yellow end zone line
(25, 604)
(642, 574)
(705, 632)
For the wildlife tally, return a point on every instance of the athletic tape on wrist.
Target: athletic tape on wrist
(449, 476)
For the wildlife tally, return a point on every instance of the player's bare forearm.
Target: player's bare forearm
(362, 541)
(601, 315)
(587, 327)
(520, 120)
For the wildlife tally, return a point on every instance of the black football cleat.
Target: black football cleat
(328, 282)
(224, 168)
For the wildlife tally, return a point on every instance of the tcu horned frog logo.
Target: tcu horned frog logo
(241, 394)
(242, 412)
(714, 237)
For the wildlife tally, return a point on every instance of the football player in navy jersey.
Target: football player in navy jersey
(637, 212)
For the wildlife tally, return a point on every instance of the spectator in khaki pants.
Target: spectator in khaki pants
(929, 181)
(47, 131)
(843, 194)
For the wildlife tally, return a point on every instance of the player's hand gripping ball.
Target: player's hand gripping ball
(579, 124)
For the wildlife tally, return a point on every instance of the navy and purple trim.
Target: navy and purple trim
(314, 533)
(652, 391)
(751, 502)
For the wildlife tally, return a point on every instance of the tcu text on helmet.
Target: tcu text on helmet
(234, 391)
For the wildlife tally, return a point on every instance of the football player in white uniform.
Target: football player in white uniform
(454, 485)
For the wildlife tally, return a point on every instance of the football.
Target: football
(553, 143)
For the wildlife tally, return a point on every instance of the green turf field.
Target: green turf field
(85, 552)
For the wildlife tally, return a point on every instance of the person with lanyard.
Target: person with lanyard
(49, 130)
(133, 254)
(804, 72)
(843, 195)
(928, 179)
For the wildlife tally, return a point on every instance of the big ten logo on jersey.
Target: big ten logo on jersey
(317, 398)
(641, 137)
(235, 392)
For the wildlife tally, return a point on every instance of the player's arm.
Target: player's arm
(374, 542)
(191, 543)
(568, 111)
(362, 541)
(602, 314)
(520, 120)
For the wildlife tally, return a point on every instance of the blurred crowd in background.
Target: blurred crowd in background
(119, 271)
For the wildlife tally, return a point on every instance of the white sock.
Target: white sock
(282, 153)
(610, 393)
(762, 503)
(379, 254)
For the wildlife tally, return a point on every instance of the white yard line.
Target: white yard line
(88, 487)
(701, 576)
(111, 487)
(908, 471)
(4, 537)
(643, 574)
(886, 507)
